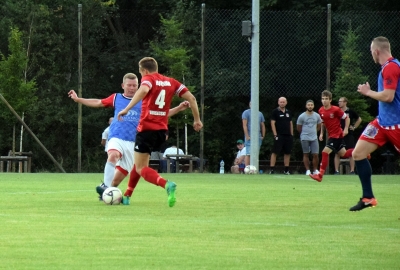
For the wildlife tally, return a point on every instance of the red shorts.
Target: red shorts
(376, 134)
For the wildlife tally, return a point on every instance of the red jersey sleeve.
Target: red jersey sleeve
(341, 114)
(390, 75)
(109, 101)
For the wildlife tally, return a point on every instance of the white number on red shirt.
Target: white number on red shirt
(160, 100)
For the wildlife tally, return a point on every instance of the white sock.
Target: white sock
(109, 171)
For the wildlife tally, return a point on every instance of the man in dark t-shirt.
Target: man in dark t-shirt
(282, 129)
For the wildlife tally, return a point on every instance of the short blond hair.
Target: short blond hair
(130, 76)
(381, 43)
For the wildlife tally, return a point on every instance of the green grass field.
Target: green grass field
(55, 221)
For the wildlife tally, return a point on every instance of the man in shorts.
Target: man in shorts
(157, 92)
(331, 116)
(386, 127)
(282, 129)
(308, 124)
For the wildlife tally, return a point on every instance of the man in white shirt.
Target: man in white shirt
(173, 150)
(239, 163)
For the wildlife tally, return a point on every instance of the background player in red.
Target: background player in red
(331, 116)
(157, 92)
(386, 127)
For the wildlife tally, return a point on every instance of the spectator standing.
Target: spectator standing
(282, 129)
(246, 123)
(308, 124)
(238, 163)
(355, 121)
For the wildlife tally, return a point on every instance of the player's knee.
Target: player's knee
(359, 155)
(113, 156)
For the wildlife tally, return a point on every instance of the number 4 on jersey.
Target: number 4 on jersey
(160, 100)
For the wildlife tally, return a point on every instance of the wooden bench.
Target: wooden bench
(155, 164)
(294, 166)
(177, 159)
(24, 161)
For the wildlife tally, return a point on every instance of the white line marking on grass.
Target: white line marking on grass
(49, 192)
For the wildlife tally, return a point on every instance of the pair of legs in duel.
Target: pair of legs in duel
(146, 142)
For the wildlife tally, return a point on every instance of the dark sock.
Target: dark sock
(364, 173)
(286, 168)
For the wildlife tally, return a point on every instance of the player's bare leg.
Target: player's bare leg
(315, 162)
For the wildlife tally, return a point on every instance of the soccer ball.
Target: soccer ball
(250, 169)
(112, 195)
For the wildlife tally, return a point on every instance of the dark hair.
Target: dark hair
(327, 93)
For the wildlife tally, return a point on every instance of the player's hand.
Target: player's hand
(72, 94)
(345, 132)
(321, 137)
(122, 113)
(184, 105)
(364, 89)
(197, 125)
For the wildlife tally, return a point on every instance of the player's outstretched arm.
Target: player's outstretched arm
(90, 102)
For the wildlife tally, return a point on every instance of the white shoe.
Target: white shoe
(308, 172)
(316, 172)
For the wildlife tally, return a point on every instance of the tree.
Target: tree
(349, 74)
(174, 55)
(19, 92)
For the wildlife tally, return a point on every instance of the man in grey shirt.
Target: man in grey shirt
(308, 123)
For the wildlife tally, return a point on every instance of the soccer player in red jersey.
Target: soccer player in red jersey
(386, 127)
(157, 92)
(331, 116)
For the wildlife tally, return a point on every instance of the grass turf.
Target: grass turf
(54, 221)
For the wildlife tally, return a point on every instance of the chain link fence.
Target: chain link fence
(293, 64)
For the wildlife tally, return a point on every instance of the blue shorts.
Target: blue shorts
(247, 144)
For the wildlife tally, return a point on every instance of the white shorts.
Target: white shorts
(125, 148)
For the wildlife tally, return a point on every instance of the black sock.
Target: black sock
(364, 173)
(286, 168)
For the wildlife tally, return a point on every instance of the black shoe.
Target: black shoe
(364, 203)
(100, 189)
(271, 172)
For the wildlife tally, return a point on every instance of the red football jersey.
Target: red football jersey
(156, 103)
(331, 119)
